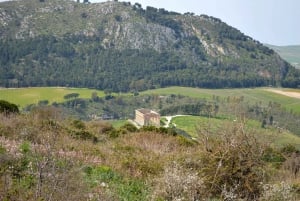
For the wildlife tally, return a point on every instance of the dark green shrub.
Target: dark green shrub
(84, 135)
(185, 141)
(148, 128)
(114, 133)
(7, 107)
(2, 150)
(274, 157)
(78, 124)
(43, 102)
(72, 95)
(289, 149)
(129, 127)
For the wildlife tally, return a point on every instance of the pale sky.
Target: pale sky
(269, 21)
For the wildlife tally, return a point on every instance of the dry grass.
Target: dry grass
(171, 167)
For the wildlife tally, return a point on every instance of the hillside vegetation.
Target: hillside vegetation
(122, 47)
(47, 157)
(192, 125)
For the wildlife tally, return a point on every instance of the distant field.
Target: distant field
(190, 124)
(289, 53)
(253, 95)
(26, 96)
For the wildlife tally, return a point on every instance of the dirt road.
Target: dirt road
(286, 93)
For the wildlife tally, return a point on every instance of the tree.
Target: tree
(264, 123)
(271, 119)
(95, 97)
(137, 5)
(43, 102)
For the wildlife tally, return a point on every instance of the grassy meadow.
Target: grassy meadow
(251, 95)
(191, 124)
(26, 96)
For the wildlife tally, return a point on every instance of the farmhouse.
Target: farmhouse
(146, 117)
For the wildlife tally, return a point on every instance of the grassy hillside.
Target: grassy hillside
(42, 152)
(194, 124)
(289, 53)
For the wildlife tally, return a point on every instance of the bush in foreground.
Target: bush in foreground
(7, 107)
(39, 154)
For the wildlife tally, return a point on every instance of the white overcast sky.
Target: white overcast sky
(270, 21)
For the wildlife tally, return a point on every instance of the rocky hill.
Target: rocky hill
(119, 46)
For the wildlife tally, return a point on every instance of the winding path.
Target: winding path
(169, 119)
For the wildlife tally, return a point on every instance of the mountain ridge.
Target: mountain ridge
(122, 47)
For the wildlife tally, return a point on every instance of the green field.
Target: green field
(26, 96)
(273, 136)
(251, 95)
(191, 123)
